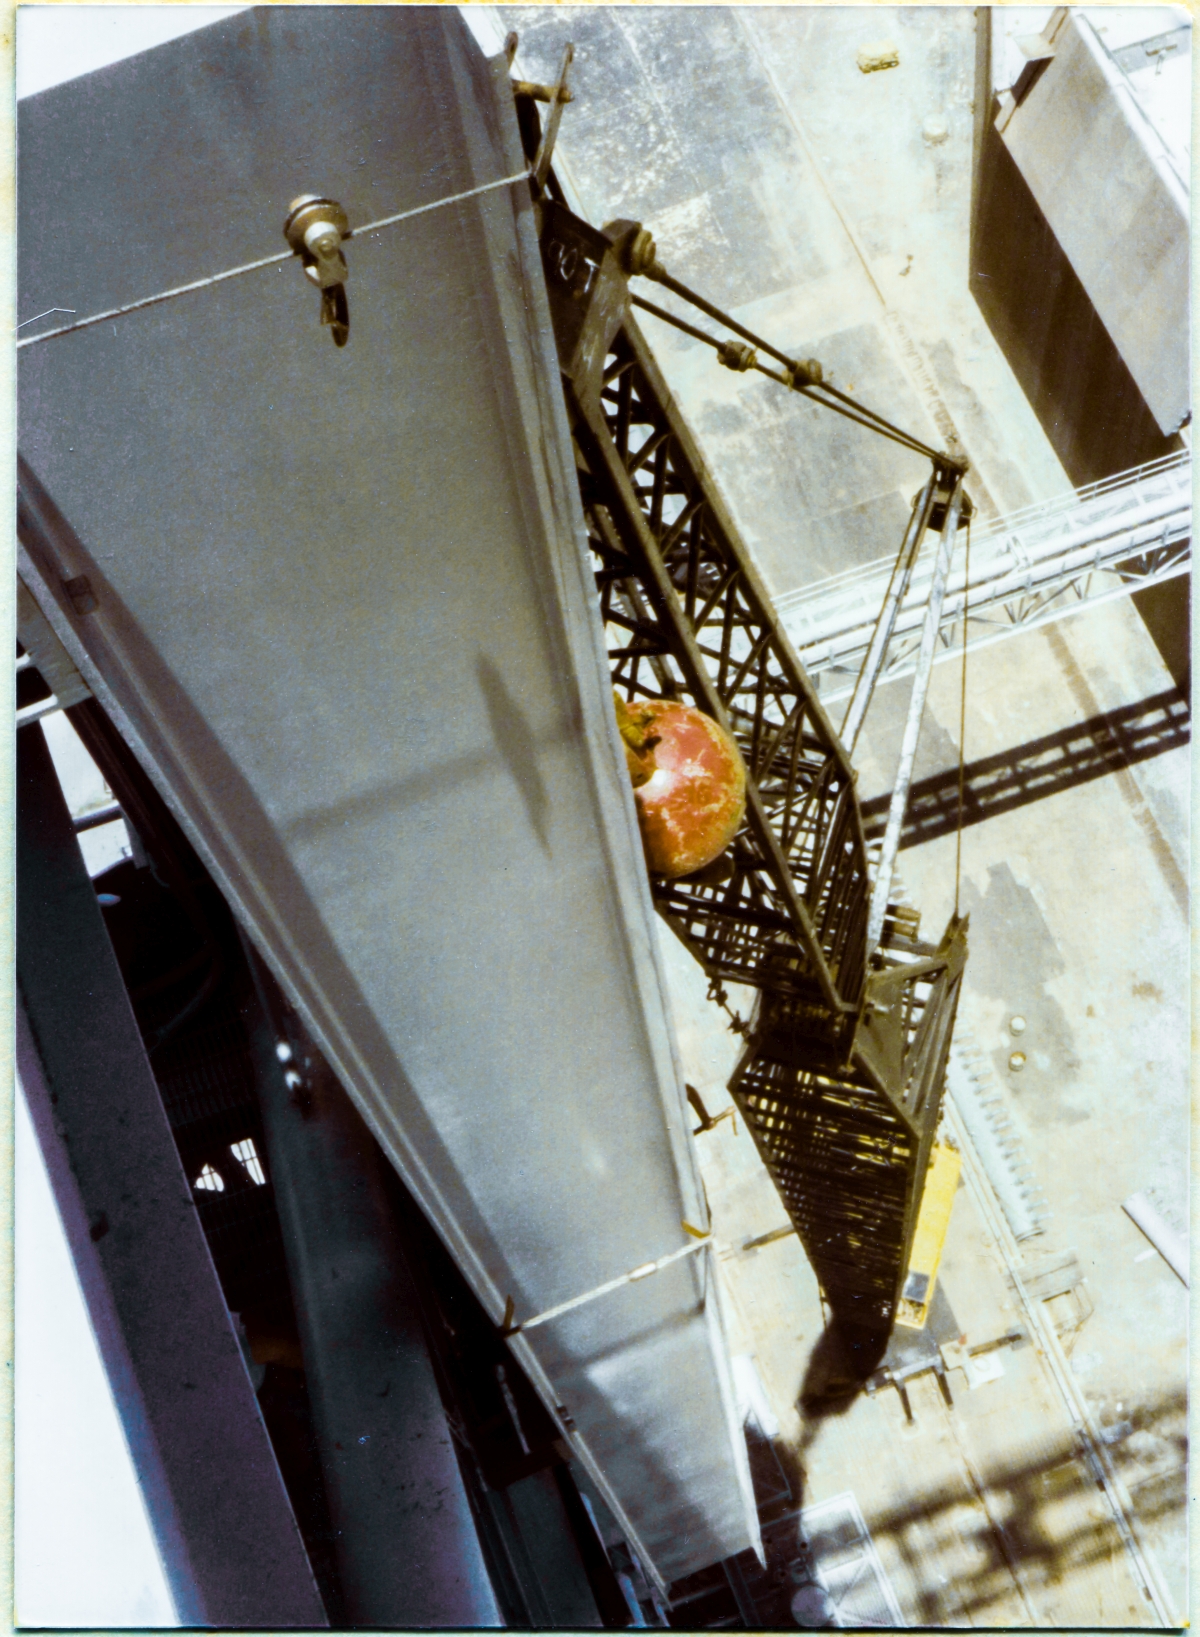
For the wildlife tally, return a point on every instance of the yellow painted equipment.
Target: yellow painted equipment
(929, 1236)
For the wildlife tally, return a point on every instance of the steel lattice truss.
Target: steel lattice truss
(842, 1079)
(695, 623)
(1046, 561)
(841, 1160)
(847, 1146)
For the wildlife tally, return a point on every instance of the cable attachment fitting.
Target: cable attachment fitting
(948, 479)
(804, 372)
(737, 355)
(636, 252)
(315, 228)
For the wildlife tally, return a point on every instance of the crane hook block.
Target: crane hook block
(315, 228)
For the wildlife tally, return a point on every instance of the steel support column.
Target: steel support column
(407, 1550)
(224, 1526)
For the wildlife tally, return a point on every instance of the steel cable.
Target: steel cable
(256, 266)
(846, 406)
(962, 725)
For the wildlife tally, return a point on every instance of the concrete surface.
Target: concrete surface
(808, 199)
(830, 211)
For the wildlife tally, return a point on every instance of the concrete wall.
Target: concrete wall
(1035, 304)
(1109, 189)
(1079, 385)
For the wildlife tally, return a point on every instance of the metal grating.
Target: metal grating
(847, 1566)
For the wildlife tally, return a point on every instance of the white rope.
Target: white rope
(46, 314)
(254, 266)
(643, 1272)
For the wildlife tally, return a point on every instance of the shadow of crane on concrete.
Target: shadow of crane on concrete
(1036, 1543)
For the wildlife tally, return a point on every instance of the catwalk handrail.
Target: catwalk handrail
(1168, 481)
(831, 622)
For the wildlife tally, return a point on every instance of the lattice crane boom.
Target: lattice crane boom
(842, 1076)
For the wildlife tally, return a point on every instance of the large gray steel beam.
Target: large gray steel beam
(344, 615)
(224, 1526)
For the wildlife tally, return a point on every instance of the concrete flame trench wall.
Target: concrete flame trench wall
(344, 616)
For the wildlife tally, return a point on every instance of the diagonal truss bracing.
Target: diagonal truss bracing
(842, 1078)
(1036, 565)
(694, 622)
(848, 1146)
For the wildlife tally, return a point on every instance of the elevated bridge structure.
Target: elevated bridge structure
(1031, 567)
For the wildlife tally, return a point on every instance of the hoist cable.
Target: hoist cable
(670, 318)
(873, 424)
(897, 432)
(962, 725)
(264, 261)
(661, 276)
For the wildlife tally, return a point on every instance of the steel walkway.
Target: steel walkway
(1036, 565)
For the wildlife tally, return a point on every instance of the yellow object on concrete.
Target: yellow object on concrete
(941, 1182)
(881, 54)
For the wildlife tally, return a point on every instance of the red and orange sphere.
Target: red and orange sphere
(688, 780)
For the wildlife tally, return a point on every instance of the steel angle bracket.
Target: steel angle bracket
(903, 1035)
(588, 292)
(903, 1042)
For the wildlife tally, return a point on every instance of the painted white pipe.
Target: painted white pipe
(912, 727)
(1170, 1244)
(864, 688)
